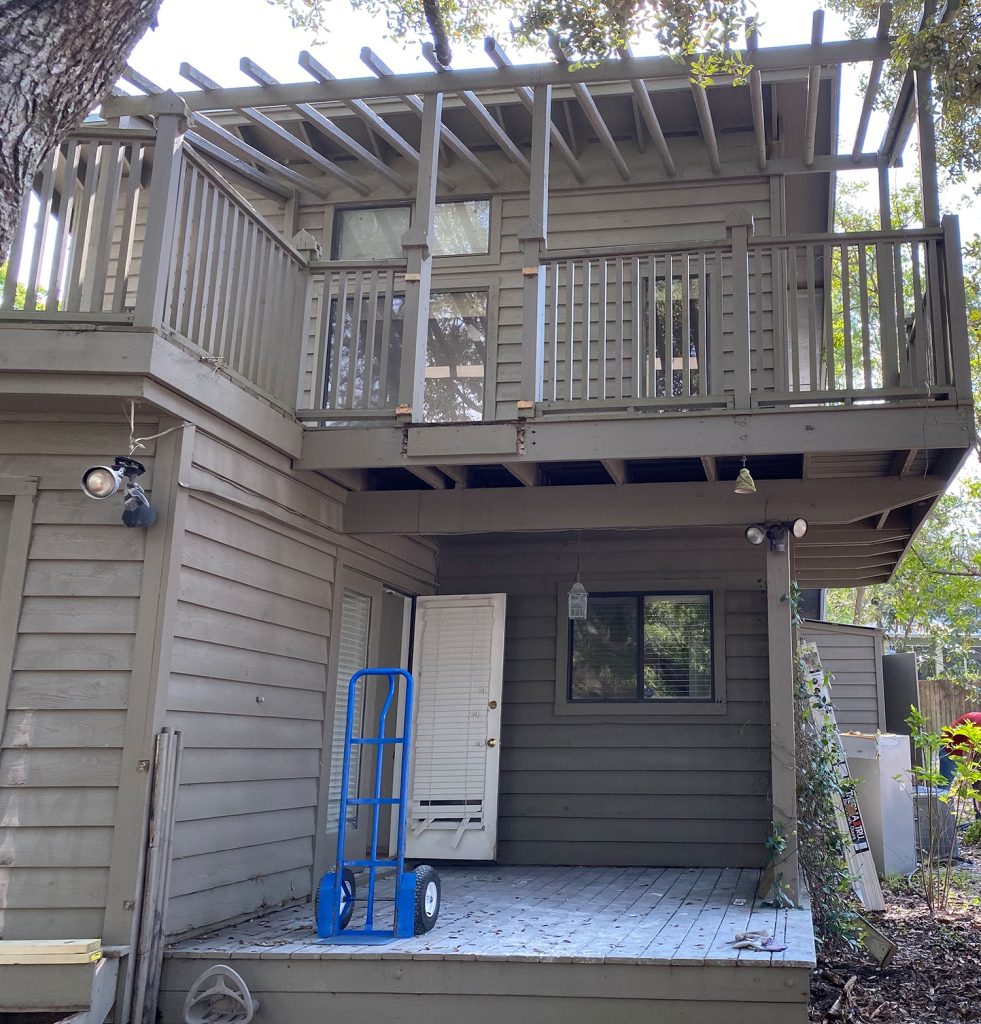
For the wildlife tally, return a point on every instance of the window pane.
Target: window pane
(604, 650)
(678, 647)
(370, 234)
(455, 356)
(461, 229)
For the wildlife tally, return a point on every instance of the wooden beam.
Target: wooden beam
(351, 479)
(527, 472)
(711, 468)
(617, 469)
(644, 106)
(481, 114)
(783, 755)
(902, 462)
(593, 116)
(525, 95)
(883, 519)
(658, 69)
(872, 89)
(384, 72)
(708, 128)
(460, 475)
(813, 89)
(428, 475)
(927, 148)
(313, 116)
(756, 92)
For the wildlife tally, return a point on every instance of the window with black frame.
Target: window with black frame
(642, 648)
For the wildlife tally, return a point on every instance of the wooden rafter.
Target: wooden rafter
(313, 116)
(527, 473)
(872, 89)
(593, 116)
(644, 106)
(617, 469)
(813, 89)
(428, 475)
(756, 92)
(708, 126)
(481, 115)
(501, 60)
(383, 71)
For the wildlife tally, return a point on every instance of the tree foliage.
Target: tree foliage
(952, 49)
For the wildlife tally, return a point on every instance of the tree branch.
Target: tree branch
(437, 27)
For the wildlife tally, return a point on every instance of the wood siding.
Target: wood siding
(854, 657)
(614, 790)
(248, 681)
(61, 747)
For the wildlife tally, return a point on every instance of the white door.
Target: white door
(458, 665)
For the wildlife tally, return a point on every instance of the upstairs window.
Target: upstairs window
(460, 228)
(642, 648)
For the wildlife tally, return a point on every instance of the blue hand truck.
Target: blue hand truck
(417, 893)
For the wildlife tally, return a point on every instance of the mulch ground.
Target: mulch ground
(935, 976)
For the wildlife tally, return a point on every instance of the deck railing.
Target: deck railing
(128, 227)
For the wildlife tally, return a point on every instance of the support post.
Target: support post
(893, 353)
(158, 241)
(533, 236)
(419, 267)
(956, 309)
(739, 228)
(928, 148)
(783, 746)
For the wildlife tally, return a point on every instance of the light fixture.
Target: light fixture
(578, 597)
(755, 535)
(798, 528)
(775, 533)
(745, 484)
(101, 482)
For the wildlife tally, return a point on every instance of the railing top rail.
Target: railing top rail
(843, 237)
(107, 133)
(609, 252)
(236, 197)
(328, 265)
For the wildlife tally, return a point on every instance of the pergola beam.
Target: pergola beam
(313, 116)
(644, 106)
(593, 116)
(428, 475)
(756, 92)
(385, 73)
(527, 473)
(813, 89)
(872, 89)
(617, 470)
(525, 95)
(481, 114)
(661, 70)
(708, 127)
(200, 79)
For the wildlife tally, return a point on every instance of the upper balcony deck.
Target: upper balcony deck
(648, 289)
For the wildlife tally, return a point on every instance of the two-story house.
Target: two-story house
(405, 358)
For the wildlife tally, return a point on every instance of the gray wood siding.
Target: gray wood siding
(611, 790)
(249, 673)
(854, 657)
(63, 735)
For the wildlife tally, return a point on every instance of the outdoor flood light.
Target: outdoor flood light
(798, 528)
(775, 533)
(755, 535)
(102, 482)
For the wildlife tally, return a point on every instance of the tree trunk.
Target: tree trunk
(58, 59)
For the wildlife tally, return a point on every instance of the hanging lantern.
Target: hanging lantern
(745, 484)
(578, 599)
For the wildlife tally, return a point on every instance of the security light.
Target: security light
(755, 535)
(776, 534)
(798, 528)
(102, 482)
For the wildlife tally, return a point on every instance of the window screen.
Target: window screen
(375, 233)
(642, 648)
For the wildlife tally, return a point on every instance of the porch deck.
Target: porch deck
(574, 935)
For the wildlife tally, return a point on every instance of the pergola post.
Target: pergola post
(533, 236)
(927, 148)
(783, 746)
(416, 244)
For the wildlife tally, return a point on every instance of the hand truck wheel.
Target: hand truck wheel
(427, 898)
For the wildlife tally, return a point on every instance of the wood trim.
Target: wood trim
(13, 570)
(880, 694)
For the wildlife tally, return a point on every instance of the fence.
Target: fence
(943, 702)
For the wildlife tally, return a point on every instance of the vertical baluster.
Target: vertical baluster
(685, 327)
(619, 391)
(885, 291)
(781, 327)
(716, 376)
(553, 391)
(702, 327)
(354, 348)
(337, 341)
(388, 299)
(124, 252)
(829, 327)
(256, 301)
(813, 339)
(863, 288)
(570, 329)
(183, 243)
(637, 327)
(846, 313)
(795, 374)
(95, 284)
(587, 322)
(371, 325)
(760, 322)
(273, 317)
(667, 356)
(941, 358)
(318, 380)
(243, 283)
(203, 258)
(40, 232)
(212, 296)
(79, 252)
(899, 299)
(63, 218)
(16, 249)
(601, 313)
(648, 354)
(229, 284)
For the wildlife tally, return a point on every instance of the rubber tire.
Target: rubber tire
(426, 876)
(348, 885)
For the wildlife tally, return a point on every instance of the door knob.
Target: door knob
(492, 742)
(492, 704)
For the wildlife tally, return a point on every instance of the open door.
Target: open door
(458, 664)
